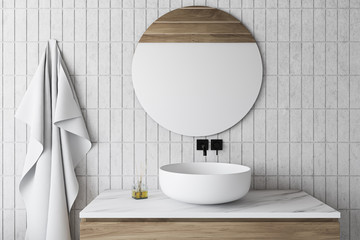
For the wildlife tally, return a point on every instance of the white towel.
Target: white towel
(57, 142)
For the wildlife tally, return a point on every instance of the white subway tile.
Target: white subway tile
(128, 125)
(271, 125)
(284, 158)
(248, 156)
(319, 24)
(32, 25)
(140, 23)
(283, 91)
(8, 125)
(295, 125)
(56, 24)
(128, 159)
(236, 132)
(331, 191)
(354, 24)
(20, 25)
(259, 126)
(343, 58)
(295, 92)
(307, 58)
(284, 182)
(9, 58)
(295, 24)
(259, 159)
(19, 158)
(44, 24)
(295, 158)
(331, 58)
(319, 188)
(128, 51)
(319, 91)
(80, 59)
(80, 24)
(331, 158)
(248, 127)
(354, 193)
(104, 92)
(319, 125)
(331, 92)
(283, 125)
(331, 24)
(344, 224)
(354, 58)
(8, 91)
(355, 125)
(308, 184)
(8, 192)
(116, 158)
(307, 159)
(307, 25)
(295, 58)
(20, 224)
(331, 125)
(343, 24)
(92, 189)
(104, 25)
(104, 125)
(354, 223)
(104, 58)
(343, 193)
(8, 224)
(354, 158)
(271, 159)
(295, 182)
(271, 58)
(116, 125)
(283, 24)
(271, 23)
(343, 158)
(319, 159)
(319, 58)
(307, 128)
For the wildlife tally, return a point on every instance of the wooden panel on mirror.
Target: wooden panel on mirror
(197, 24)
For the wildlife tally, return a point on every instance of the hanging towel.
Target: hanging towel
(58, 141)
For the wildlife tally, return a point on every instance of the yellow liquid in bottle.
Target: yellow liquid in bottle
(139, 195)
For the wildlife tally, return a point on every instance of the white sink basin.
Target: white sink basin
(205, 183)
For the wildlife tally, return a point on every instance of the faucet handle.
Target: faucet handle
(202, 144)
(216, 144)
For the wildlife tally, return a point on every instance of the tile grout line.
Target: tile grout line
(14, 130)
(2, 122)
(110, 103)
(349, 147)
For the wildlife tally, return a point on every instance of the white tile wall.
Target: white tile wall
(303, 132)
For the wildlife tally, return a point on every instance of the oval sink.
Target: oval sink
(205, 183)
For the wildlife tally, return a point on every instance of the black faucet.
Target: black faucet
(202, 144)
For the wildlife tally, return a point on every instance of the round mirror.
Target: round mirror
(197, 71)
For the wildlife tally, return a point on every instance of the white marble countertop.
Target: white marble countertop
(256, 204)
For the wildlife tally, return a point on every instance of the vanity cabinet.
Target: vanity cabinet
(265, 214)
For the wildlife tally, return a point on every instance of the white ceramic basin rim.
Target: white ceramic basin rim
(205, 183)
(205, 168)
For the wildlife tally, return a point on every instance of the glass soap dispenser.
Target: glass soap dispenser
(139, 190)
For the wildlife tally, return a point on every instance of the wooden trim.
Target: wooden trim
(197, 28)
(197, 24)
(188, 38)
(209, 230)
(209, 219)
(197, 14)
